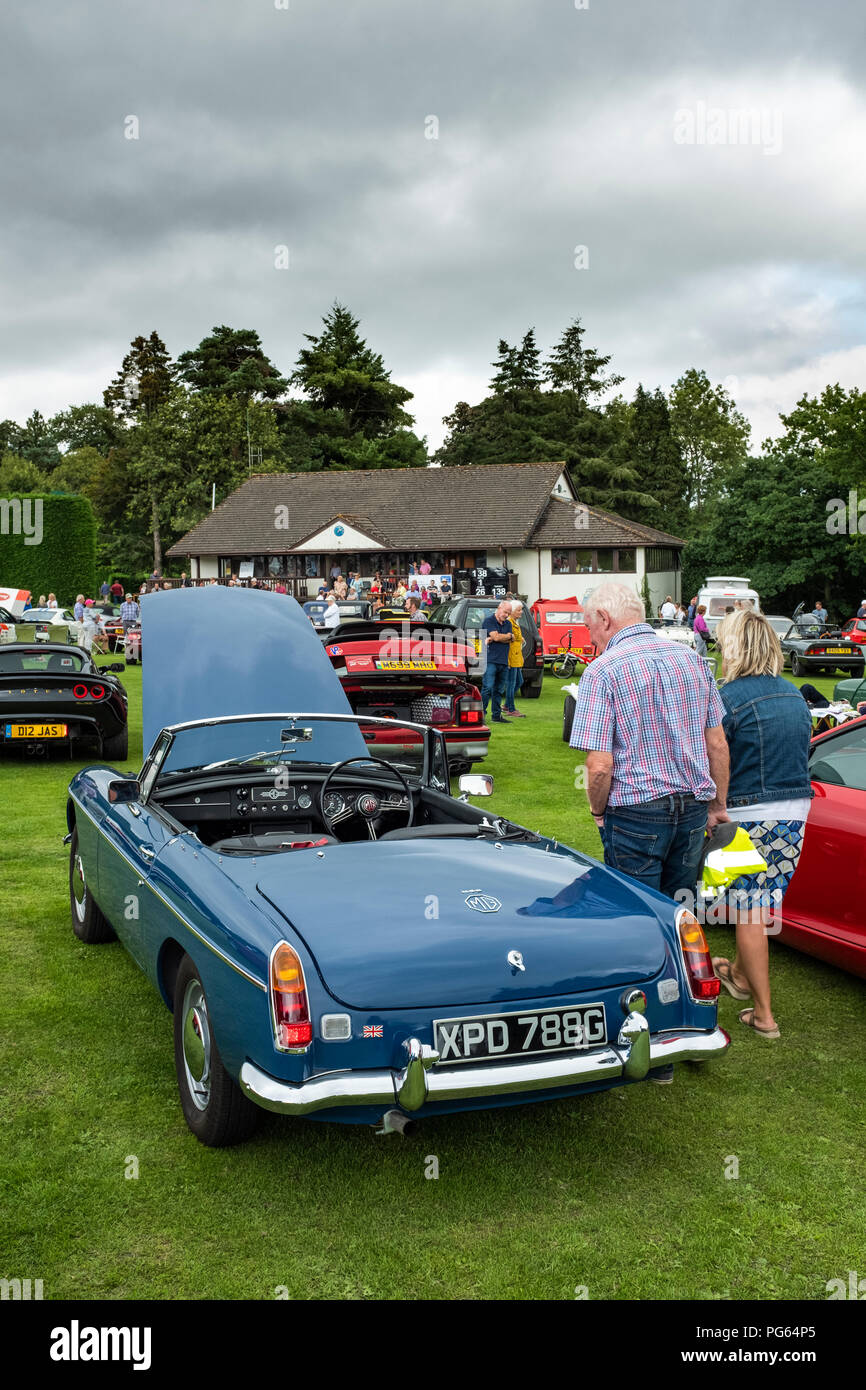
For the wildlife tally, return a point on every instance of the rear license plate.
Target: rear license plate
(486, 1037)
(838, 651)
(36, 730)
(405, 666)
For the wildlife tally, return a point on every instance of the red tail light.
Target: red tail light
(470, 711)
(80, 692)
(97, 692)
(703, 984)
(539, 649)
(293, 1029)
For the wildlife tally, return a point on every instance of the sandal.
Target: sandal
(750, 1023)
(723, 971)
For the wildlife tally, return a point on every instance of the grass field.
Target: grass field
(624, 1193)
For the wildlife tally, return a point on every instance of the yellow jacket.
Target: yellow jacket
(515, 649)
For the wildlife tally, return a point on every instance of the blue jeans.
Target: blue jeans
(493, 687)
(512, 685)
(659, 843)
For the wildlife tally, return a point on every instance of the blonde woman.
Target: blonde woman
(768, 728)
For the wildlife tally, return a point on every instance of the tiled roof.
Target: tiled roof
(557, 528)
(475, 508)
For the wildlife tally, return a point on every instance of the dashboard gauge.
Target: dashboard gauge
(305, 801)
(333, 804)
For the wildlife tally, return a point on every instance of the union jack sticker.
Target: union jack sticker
(373, 1030)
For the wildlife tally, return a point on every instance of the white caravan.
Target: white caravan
(722, 591)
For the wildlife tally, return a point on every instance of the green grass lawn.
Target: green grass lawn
(623, 1192)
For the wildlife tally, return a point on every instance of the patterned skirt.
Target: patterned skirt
(778, 842)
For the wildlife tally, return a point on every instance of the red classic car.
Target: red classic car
(422, 672)
(824, 912)
(855, 630)
(562, 628)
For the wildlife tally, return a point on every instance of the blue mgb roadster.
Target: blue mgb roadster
(339, 937)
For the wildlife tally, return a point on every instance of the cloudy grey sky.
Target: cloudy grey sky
(713, 239)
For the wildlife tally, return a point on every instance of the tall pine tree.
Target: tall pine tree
(144, 381)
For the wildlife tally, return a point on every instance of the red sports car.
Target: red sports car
(422, 672)
(855, 630)
(562, 627)
(824, 912)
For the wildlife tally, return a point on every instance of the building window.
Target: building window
(599, 560)
(660, 558)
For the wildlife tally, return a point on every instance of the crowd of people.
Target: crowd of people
(670, 757)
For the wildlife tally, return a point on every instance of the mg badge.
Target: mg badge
(479, 901)
(516, 959)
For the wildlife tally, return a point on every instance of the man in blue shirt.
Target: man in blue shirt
(498, 635)
(819, 612)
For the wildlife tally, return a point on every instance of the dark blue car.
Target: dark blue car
(339, 937)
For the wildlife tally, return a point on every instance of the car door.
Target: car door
(828, 891)
(132, 839)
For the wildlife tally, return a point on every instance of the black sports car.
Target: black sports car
(53, 695)
(812, 646)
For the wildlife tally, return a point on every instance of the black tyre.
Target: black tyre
(531, 692)
(797, 667)
(88, 922)
(567, 717)
(116, 749)
(214, 1107)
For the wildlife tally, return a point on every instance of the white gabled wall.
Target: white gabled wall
(526, 565)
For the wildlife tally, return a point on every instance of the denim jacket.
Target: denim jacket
(768, 727)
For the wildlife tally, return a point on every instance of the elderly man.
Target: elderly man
(650, 717)
(515, 663)
(331, 615)
(129, 612)
(498, 639)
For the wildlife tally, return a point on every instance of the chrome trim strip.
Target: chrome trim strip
(293, 718)
(334, 1089)
(184, 920)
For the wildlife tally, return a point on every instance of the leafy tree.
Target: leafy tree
(231, 362)
(76, 470)
(771, 524)
(143, 382)
(578, 371)
(87, 426)
(711, 433)
(20, 475)
(831, 427)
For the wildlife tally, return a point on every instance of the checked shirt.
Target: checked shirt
(648, 702)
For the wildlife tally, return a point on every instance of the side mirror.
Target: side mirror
(115, 666)
(124, 790)
(476, 784)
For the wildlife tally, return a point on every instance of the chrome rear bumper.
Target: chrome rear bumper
(420, 1082)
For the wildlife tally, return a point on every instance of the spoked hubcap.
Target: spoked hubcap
(79, 888)
(196, 1044)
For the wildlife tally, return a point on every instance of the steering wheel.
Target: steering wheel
(367, 805)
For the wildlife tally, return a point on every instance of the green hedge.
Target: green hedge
(54, 555)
